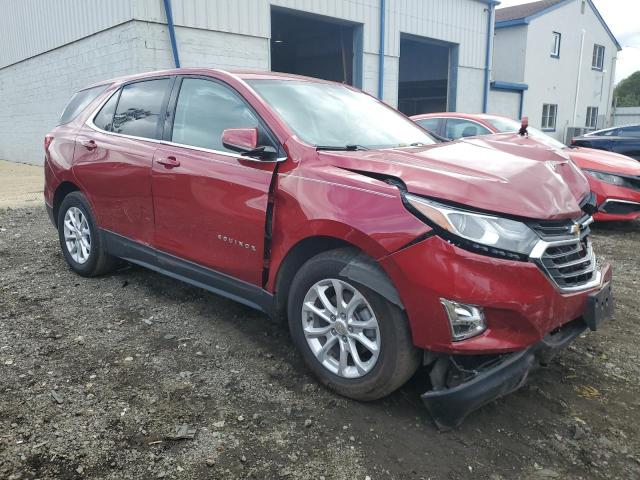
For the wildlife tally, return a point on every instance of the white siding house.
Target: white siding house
(557, 57)
(52, 49)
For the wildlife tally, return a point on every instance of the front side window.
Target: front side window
(592, 117)
(597, 61)
(206, 108)
(555, 45)
(332, 115)
(430, 124)
(79, 102)
(460, 128)
(139, 108)
(549, 114)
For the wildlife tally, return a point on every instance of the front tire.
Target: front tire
(355, 341)
(80, 239)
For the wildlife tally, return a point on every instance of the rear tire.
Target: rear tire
(80, 238)
(322, 331)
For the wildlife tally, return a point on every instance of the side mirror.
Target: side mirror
(240, 139)
(245, 141)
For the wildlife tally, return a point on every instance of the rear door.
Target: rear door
(114, 154)
(210, 203)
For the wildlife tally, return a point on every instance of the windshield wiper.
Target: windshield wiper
(345, 148)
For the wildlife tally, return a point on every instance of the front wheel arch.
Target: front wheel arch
(362, 268)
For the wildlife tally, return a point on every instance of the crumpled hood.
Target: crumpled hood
(604, 161)
(493, 175)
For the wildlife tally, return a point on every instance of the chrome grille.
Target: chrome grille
(567, 259)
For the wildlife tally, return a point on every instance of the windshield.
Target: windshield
(506, 125)
(331, 115)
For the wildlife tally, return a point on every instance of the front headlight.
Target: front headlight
(486, 233)
(608, 178)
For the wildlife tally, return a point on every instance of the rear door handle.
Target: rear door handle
(89, 144)
(169, 162)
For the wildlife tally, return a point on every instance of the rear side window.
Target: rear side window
(78, 103)
(139, 108)
(104, 118)
(204, 110)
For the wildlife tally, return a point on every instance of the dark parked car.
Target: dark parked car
(624, 140)
(312, 201)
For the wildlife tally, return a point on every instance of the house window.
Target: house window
(597, 62)
(555, 45)
(592, 117)
(549, 113)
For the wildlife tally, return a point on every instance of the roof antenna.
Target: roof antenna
(523, 127)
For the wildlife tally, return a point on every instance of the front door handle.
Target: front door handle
(89, 144)
(169, 162)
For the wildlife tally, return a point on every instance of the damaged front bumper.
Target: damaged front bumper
(450, 406)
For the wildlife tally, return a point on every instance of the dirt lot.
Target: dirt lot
(24, 189)
(96, 374)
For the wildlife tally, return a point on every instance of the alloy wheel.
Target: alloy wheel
(77, 235)
(341, 328)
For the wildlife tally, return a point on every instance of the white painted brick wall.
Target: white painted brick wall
(200, 48)
(34, 92)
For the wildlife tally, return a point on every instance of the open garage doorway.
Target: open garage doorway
(426, 81)
(316, 46)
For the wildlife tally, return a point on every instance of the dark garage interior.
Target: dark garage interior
(423, 84)
(313, 45)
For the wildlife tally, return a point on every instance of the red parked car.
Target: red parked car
(614, 178)
(313, 201)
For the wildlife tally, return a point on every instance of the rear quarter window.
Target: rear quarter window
(79, 102)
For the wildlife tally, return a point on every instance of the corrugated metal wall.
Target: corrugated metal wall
(31, 27)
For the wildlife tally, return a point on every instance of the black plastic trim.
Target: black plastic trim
(189, 272)
(450, 406)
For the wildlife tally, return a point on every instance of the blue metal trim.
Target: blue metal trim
(518, 87)
(172, 32)
(358, 55)
(383, 14)
(487, 65)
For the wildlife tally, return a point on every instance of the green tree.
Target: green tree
(628, 91)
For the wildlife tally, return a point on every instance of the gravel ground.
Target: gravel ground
(97, 374)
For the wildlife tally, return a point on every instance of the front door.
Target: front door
(210, 203)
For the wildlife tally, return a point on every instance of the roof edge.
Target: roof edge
(526, 20)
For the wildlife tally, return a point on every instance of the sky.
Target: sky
(623, 18)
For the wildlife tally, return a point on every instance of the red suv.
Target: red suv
(313, 201)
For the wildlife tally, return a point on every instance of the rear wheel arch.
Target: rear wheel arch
(64, 189)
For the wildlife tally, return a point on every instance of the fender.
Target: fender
(364, 270)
